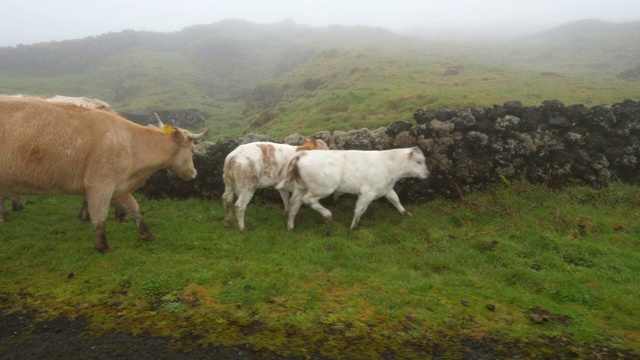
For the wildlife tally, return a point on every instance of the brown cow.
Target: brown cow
(48, 148)
(78, 101)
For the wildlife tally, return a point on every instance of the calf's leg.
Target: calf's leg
(284, 194)
(314, 202)
(227, 202)
(361, 206)
(294, 206)
(244, 197)
(393, 198)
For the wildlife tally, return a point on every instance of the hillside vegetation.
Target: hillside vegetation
(516, 271)
(284, 78)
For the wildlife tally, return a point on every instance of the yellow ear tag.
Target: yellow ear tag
(168, 129)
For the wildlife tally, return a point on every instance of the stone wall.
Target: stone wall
(469, 149)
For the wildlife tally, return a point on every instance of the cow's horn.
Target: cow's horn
(160, 124)
(198, 136)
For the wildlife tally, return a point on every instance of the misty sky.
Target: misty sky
(33, 21)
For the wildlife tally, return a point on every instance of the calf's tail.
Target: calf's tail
(292, 172)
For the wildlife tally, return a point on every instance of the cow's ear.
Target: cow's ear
(178, 135)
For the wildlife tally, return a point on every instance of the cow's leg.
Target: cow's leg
(120, 214)
(83, 215)
(130, 205)
(16, 205)
(3, 210)
(227, 202)
(244, 197)
(361, 206)
(98, 205)
(393, 198)
(294, 206)
(284, 194)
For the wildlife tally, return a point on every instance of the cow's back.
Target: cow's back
(45, 148)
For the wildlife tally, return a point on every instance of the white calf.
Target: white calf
(368, 174)
(255, 166)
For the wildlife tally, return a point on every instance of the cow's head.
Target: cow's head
(181, 162)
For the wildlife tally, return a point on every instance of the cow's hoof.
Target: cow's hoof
(105, 250)
(408, 214)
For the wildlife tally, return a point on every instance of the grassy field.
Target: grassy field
(472, 269)
(352, 89)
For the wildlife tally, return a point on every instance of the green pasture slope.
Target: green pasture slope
(522, 268)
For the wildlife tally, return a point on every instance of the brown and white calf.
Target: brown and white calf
(49, 148)
(368, 174)
(255, 166)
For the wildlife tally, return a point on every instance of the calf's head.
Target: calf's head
(312, 144)
(416, 165)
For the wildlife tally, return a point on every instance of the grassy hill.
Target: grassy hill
(518, 271)
(284, 78)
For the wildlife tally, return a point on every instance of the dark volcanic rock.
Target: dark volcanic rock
(422, 116)
(469, 149)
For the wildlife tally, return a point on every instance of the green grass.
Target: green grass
(393, 282)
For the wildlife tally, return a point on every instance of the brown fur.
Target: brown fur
(48, 148)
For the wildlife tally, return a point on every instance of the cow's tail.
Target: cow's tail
(292, 174)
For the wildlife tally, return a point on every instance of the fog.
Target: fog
(34, 21)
